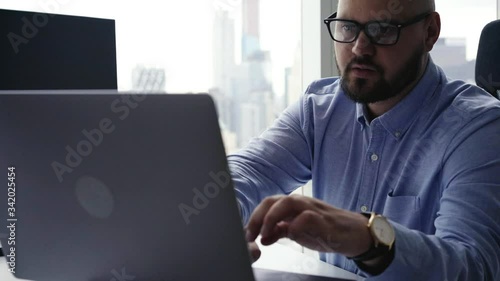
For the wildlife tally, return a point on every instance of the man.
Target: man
(404, 163)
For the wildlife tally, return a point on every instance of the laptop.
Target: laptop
(103, 186)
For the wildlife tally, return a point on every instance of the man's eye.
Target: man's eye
(388, 29)
(348, 27)
(383, 29)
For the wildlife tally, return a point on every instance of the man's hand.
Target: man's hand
(253, 248)
(311, 223)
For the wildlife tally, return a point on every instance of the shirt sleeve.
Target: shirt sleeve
(466, 245)
(277, 162)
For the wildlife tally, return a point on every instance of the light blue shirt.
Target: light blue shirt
(431, 165)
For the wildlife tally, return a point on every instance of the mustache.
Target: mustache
(366, 61)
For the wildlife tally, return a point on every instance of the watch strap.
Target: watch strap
(373, 252)
(376, 250)
(377, 270)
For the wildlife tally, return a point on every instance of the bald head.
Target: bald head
(388, 9)
(418, 6)
(431, 4)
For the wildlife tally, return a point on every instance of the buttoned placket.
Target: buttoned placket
(371, 164)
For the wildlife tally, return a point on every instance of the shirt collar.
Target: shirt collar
(399, 118)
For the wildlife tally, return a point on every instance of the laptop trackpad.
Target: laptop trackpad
(273, 275)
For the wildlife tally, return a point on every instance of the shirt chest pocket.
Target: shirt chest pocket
(404, 210)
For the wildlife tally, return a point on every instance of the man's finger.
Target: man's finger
(285, 208)
(254, 250)
(255, 222)
(280, 231)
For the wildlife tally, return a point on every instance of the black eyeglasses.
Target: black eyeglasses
(379, 33)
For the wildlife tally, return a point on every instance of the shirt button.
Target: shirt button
(397, 134)
(364, 209)
(374, 157)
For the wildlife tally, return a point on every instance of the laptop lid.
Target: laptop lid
(51, 51)
(109, 186)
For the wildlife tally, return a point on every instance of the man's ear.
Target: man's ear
(433, 31)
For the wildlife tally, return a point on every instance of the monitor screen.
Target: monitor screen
(40, 51)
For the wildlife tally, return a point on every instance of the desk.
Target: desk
(277, 257)
(283, 258)
(5, 275)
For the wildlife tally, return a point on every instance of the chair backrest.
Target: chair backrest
(488, 59)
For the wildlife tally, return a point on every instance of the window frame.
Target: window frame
(498, 9)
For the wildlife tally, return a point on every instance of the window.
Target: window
(256, 63)
(462, 22)
(235, 50)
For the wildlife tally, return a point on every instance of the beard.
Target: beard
(363, 91)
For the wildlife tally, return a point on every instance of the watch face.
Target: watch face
(383, 230)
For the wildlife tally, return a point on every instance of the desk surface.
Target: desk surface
(283, 258)
(277, 257)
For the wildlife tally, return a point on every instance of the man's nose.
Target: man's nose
(363, 46)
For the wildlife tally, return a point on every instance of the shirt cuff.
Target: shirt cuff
(377, 270)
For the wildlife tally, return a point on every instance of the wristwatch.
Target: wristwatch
(383, 237)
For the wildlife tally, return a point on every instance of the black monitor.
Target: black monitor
(40, 51)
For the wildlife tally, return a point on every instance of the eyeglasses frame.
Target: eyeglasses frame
(362, 27)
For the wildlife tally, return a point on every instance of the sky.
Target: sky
(176, 35)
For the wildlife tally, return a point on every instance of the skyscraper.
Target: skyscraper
(251, 28)
(293, 79)
(223, 54)
(224, 67)
(243, 92)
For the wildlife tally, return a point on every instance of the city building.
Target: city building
(450, 55)
(243, 92)
(148, 79)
